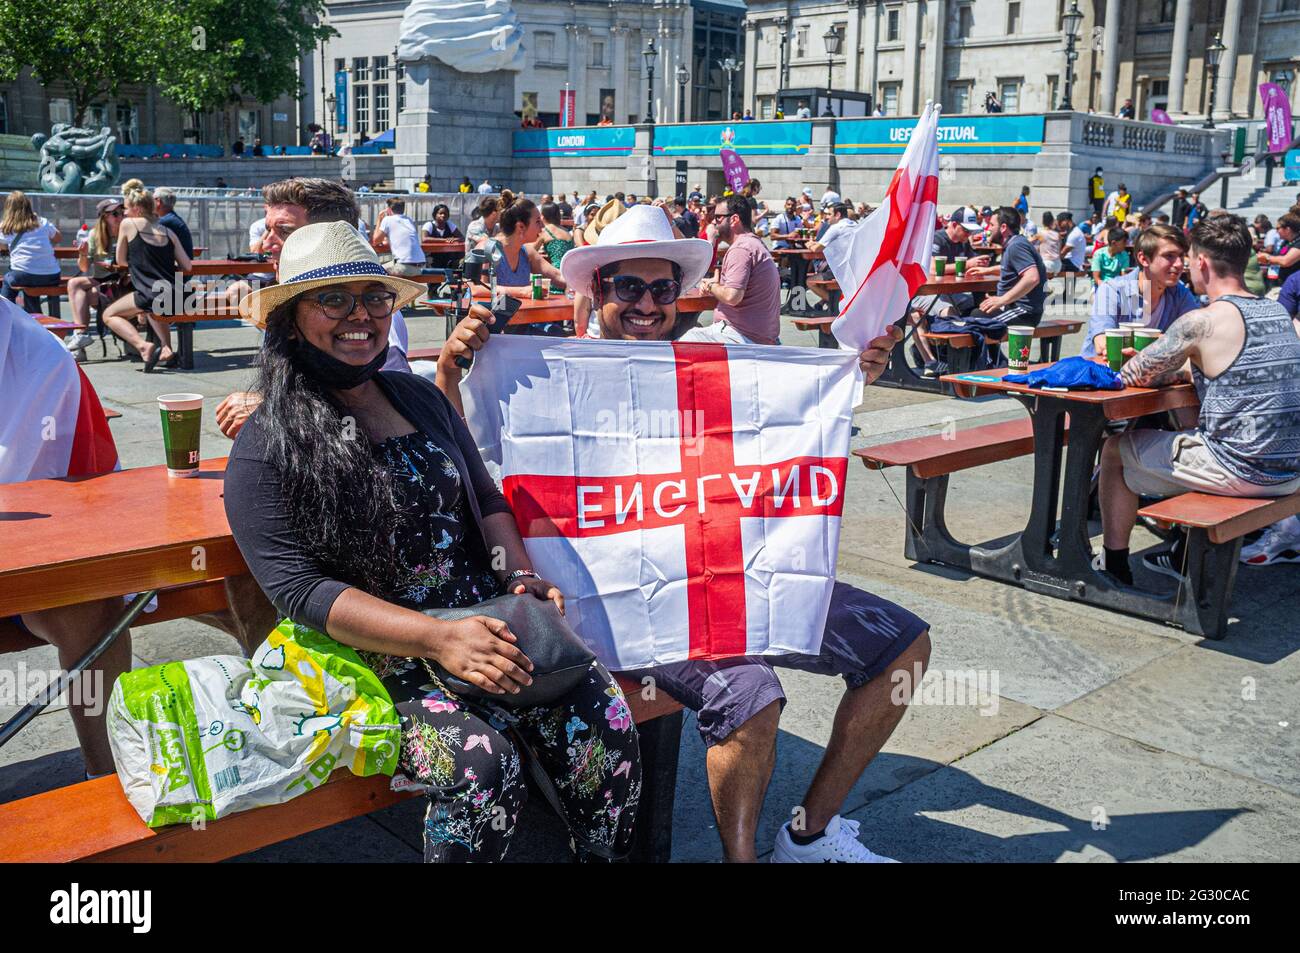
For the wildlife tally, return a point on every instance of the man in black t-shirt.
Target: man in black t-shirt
(687, 222)
(1022, 282)
(950, 242)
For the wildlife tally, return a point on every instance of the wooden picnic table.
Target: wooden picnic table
(64, 252)
(213, 266)
(1030, 559)
(442, 246)
(56, 553)
(558, 307)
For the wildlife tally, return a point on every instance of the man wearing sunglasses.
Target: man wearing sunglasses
(634, 274)
(291, 204)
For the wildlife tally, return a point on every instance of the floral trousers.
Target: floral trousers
(462, 753)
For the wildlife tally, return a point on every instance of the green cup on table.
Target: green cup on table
(959, 266)
(1019, 341)
(1115, 344)
(182, 418)
(940, 265)
(1144, 336)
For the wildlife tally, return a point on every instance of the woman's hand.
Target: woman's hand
(481, 651)
(540, 589)
(468, 336)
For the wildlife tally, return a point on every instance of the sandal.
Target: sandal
(151, 361)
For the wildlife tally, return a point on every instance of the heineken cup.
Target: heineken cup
(538, 293)
(1019, 340)
(1115, 344)
(959, 266)
(1144, 336)
(940, 265)
(182, 418)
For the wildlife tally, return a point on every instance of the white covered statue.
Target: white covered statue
(473, 37)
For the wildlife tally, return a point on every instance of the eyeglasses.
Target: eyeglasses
(337, 305)
(630, 288)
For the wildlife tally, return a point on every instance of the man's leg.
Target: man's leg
(73, 630)
(739, 770)
(1119, 504)
(864, 721)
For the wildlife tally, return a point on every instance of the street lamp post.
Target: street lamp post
(783, 25)
(833, 41)
(397, 82)
(1213, 54)
(1070, 21)
(333, 124)
(729, 66)
(683, 77)
(650, 54)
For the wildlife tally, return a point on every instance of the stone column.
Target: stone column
(1228, 65)
(908, 100)
(1178, 60)
(853, 47)
(1110, 58)
(870, 36)
(934, 50)
(618, 70)
(749, 83)
(577, 53)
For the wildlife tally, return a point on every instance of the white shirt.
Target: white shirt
(804, 113)
(1108, 208)
(403, 239)
(484, 189)
(838, 231)
(256, 231)
(398, 344)
(1076, 247)
(32, 251)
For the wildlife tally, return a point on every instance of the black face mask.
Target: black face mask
(329, 371)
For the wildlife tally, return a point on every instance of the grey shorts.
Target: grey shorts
(864, 635)
(1169, 462)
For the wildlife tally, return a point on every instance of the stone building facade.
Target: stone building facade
(904, 52)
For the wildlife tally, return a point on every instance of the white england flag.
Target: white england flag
(686, 498)
(885, 259)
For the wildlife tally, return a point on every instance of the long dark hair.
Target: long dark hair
(339, 496)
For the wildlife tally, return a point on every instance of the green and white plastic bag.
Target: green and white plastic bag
(208, 737)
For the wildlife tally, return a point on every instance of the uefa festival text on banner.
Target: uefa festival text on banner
(686, 498)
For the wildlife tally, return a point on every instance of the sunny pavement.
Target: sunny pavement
(1095, 736)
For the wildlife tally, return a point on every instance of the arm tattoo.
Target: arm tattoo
(1162, 362)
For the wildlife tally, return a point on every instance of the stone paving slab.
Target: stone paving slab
(1034, 797)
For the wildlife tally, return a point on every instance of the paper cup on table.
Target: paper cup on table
(1130, 328)
(1019, 340)
(1144, 336)
(940, 265)
(182, 418)
(536, 282)
(959, 266)
(1115, 344)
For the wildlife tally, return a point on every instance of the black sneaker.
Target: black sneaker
(934, 369)
(918, 359)
(1164, 563)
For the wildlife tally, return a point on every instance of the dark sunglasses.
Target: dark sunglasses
(337, 305)
(630, 288)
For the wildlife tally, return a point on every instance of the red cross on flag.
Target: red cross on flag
(686, 498)
(884, 260)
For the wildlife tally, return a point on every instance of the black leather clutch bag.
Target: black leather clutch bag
(559, 657)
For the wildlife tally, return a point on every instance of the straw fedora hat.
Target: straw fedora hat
(642, 231)
(605, 217)
(327, 253)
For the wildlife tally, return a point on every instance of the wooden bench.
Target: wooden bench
(52, 292)
(56, 326)
(931, 459)
(94, 821)
(1215, 526)
(1048, 333)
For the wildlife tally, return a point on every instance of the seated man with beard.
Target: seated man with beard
(634, 274)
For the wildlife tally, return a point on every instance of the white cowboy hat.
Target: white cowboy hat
(643, 231)
(314, 256)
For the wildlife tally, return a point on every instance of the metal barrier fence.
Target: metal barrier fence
(219, 221)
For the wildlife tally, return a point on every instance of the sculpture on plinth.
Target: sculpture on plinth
(472, 37)
(77, 160)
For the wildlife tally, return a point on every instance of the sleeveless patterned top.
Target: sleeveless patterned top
(1250, 414)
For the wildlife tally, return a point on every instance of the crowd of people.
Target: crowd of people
(355, 537)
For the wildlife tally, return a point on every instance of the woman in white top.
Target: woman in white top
(1048, 240)
(30, 240)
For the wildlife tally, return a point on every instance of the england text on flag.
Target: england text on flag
(686, 498)
(882, 263)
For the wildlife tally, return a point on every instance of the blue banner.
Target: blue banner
(584, 141)
(1292, 170)
(341, 100)
(957, 134)
(787, 137)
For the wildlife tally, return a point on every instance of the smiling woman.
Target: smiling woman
(358, 498)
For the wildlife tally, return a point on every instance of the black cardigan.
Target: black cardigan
(279, 559)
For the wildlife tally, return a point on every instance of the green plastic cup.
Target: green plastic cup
(940, 265)
(1130, 328)
(959, 266)
(1144, 336)
(1115, 344)
(182, 419)
(1019, 341)
(538, 293)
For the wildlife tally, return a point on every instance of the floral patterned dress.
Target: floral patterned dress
(464, 753)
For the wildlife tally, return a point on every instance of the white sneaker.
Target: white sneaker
(77, 341)
(1280, 543)
(839, 844)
